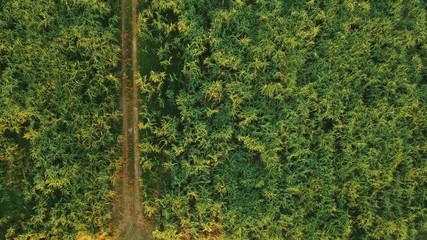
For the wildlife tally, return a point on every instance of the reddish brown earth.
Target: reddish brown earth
(128, 221)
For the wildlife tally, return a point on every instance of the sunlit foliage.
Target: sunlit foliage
(285, 119)
(259, 119)
(58, 117)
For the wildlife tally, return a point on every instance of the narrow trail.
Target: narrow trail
(135, 128)
(128, 221)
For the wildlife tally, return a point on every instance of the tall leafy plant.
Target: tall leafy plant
(285, 119)
(58, 117)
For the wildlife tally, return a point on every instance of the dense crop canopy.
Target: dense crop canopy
(259, 119)
(58, 113)
(285, 119)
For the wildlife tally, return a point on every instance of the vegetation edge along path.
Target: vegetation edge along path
(128, 220)
(135, 130)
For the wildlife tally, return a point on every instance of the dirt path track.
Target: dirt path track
(128, 222)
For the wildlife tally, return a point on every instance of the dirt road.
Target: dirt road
(128, 222)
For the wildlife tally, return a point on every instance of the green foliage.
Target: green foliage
(260, 119)
(58, 117)
(285, 119)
